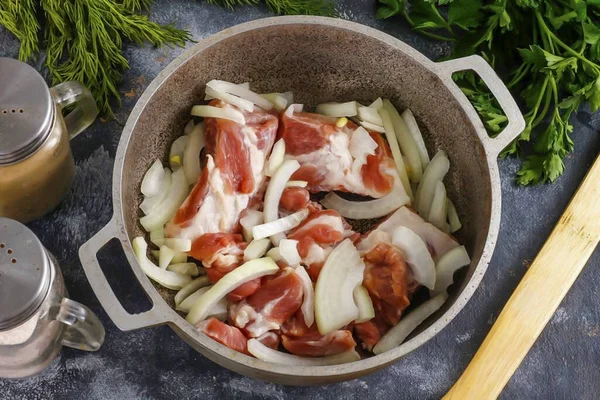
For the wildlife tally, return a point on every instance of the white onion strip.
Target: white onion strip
(150, 203)
(278, 99)
(372, 127)
(240, 91)
(301, 184)
(256, 249)
(190, 269)
(308, 301)
(273, 228)
(370, 115)
(435, 171)
(191, 288)
(363, 301)
(240, 103)
(151, 184)
(446, 266)
(293, 108)
(216, 112)
(395, 336)
(249, 221)
(453, 218)
(276, 158)
(366, 209)
(336, 110)
(438, 212)
(390, 134)
(377, 104)
(165, 257)
(165, 211)
(417, 255)
(415, 132)
(288, 250)
(191, 155)
(168, 279)
(264, 353)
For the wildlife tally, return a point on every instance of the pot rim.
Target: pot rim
(177, 322)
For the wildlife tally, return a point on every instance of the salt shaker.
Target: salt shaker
(36, 164)
(36, 317)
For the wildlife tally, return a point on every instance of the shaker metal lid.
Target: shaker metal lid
(24, 273)
(26, 110)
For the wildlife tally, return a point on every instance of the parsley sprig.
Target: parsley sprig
(546, 51)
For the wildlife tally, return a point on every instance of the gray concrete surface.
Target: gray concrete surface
(156, 364)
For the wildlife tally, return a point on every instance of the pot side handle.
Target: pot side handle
(88, 255)
(516, 122)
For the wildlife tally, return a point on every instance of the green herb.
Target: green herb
(549, 56)
(289, 7)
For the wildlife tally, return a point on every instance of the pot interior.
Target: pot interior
(320, 63)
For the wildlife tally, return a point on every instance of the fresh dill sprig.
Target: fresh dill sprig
(19, 18)
(135, 6)
(288, 7)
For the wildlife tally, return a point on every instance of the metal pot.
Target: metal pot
(319, 59)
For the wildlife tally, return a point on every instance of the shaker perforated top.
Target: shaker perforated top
(24, 273)
(26, 111)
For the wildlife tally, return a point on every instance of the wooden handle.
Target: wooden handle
(533, 303)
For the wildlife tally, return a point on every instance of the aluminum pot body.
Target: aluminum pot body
(319, 59)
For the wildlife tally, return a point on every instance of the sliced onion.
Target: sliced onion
(415, 132)
(273, 196)
(176, 244)
(366, 209)
(218, 311)
(439, 208)
(377, 104)
(191, 155)
(158, 233)
(240, 91)
(361, 145)
(308, 301)
(155, 254)
(245, 85)
(334, 299)
(189, 127)
(216, 112)
(336, 110)
(276, 159)
(244, 273)
(289, 96)
(168, 279)
(301, 184)
(274, 254)
(151, 184)
(278, 226)
(280, 102)
(293, 108)
(167, 209)
(435, 171)
(150, 203)
(190, 288)
(256, 249)
(264, 353)
(453, 218)
(240, 103)
(395, 336)
(249, 221)
(363, 301)
(177, 151)
(165, 257)
(190, 269)
(390, 134)
(372, 127)
(417, 255)
(446, 266)
(288, 249)
(406, 142)
(370, 115)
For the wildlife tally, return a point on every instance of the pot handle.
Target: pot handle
(121, 318)
(516, 122)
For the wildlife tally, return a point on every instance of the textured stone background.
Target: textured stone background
(156, 364)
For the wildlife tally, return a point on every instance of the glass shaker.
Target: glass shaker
(36, 317)
(36, 164)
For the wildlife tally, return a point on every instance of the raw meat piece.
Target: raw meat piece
(322, 149)
(227, 335)
(294, 199)
(272, 304)
(369, 333)
(270, 339)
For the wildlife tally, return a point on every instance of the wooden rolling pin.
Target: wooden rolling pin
(533, 303)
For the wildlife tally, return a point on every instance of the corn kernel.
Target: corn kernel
(176, 160)
(340, 123)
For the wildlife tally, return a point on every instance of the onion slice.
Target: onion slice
(240, 91)
(277, 227)
(415, 132)
(256, 249)
(190, 269)
(363, 301)
(242, 274)
(165, 211)
(165, 257)
(240, 103)
(334, 300)
(301, 184)
(177, 151)
(308, 301)
(439, 208)
(189, 127)
(361, 145)
(366, 209)
(176, 244)
(276, 159)
(150, 203)
(293, 108)
(274, 254)
(151, 184)
(158, 233)
(336, 110)
(249, 221)
(369, 114)
(191, 155)
(406, 142)
(168, 279)
(435, 171)
(288, 250)
(450, 262)
(190, 288)
(453, 218)
(372, 127)
(417, 255)
(216, 112)
(219, 310)
(390, 134)
(377, 104)
(279, 100)
(395, 336)
(264, 353)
